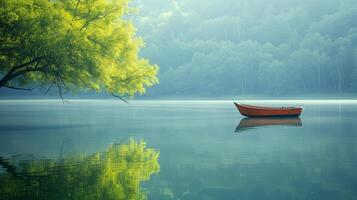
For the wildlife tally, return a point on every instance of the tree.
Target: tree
(115, 174)
(72, 45)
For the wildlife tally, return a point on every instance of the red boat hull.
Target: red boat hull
(255, 111)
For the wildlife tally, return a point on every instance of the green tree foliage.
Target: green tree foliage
(114, 174)
(72, 45)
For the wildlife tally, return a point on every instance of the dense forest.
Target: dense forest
(248, 47)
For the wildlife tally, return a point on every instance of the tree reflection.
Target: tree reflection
(113, 174)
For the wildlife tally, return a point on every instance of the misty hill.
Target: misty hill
(237, 47)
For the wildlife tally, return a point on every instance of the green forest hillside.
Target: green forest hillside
(248, 47)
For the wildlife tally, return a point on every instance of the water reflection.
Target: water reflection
(250, 123)
(113, 174)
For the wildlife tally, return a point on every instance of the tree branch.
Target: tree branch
(97, 17)
(33, 69)
(121, 98)
(16, 88)
(92, 39)
(10, 74)
(27, 63)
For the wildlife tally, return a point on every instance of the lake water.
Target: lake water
(176, 150)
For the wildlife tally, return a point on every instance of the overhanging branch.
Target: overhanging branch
(121, 98)
(16, 88)
(13, 72)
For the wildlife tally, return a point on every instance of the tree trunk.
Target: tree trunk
(13, 73)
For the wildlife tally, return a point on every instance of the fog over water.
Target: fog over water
(207, 150)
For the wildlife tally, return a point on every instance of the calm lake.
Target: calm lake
(176, 150)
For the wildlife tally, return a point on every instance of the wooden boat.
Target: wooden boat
(255, 111)
(250, 123)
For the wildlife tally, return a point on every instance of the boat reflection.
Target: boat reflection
(116, 173)
(251, 123)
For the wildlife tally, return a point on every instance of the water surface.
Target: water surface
(175, 150)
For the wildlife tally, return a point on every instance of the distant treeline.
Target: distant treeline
(239, 47)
